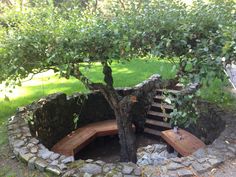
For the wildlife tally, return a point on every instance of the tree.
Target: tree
(46, 37)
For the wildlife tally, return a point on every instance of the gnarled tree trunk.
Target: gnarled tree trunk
(121, 107)
(126, 133)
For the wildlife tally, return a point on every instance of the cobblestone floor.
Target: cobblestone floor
(228, 169)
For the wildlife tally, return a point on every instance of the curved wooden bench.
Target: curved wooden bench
(77, 140)
(183, 142)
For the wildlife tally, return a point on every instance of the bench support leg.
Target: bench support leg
(169, 148)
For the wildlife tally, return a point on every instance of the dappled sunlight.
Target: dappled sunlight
(188, 2)
(39, 82)
(13, 94)
(127, 73)
(123, 70)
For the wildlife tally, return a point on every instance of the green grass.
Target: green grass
(218, 92)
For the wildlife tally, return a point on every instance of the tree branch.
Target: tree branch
(88, 83)
(122, 4)
(107, 71)
(108, 91)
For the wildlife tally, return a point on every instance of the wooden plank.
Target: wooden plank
(80, 138)
(161, 105)
(159, 114)
(104, 128)
(183, 142)
(159, 97)
(168, 91)
(158, 123)
(74, 141)
(152, 131)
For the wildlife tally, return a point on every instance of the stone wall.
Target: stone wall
(209, 125)
(53, 116)
(52, 119)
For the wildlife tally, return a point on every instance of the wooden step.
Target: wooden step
(179, 86)
(158, 123)
(159, 97)
(159, 114)
(167, 91)
(162, 105)
(152, 131)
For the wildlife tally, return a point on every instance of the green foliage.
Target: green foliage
(75, 120)
(185, 112)
(46, 36)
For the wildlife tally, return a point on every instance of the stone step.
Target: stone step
(162, 106)
(158, 123)
(152, 131)
(159, 114)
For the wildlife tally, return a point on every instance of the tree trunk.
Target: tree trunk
(122, 109)
(126, 136)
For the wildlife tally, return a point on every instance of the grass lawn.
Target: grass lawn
(125, 74)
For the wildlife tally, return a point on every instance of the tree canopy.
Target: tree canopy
(46, 36)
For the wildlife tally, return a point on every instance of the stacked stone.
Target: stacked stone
(89, 168)
(154, 154)
(29, 150)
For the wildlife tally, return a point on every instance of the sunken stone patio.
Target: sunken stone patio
(31, 139)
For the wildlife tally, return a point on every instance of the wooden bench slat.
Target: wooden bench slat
(81, 137)
(183, 142)
(72, 141)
